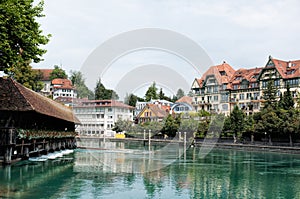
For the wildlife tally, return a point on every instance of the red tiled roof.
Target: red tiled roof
(63, 83)
(45, 73)
(158, 110)
(185, 99)
(287, 69)
(250, 75)
(16, 97)
(224, 68)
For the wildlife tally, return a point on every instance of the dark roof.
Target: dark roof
(16, 97)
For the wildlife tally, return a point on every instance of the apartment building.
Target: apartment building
(211, 90)
(98, 117)
(221, 87)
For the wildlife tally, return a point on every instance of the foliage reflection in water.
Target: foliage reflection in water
(105, 174)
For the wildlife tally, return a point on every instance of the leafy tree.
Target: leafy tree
(237, 117)
(20, 35)
(58, 73)
(249, 127)
(171, 126)
(122, 125)
(101, 93)
(269, 95)
(290, 123)
(190, 94)
(180, 93)
(188, 125)
(79, 82)
(132, 99)
(25, 75)
(151, 93)
(161, 94)
(267, 121)
(288, 101)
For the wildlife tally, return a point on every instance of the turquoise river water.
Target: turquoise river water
(125, 170)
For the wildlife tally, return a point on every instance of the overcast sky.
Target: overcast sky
(243, 33)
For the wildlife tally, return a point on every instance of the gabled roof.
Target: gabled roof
(16, 97)
(45, 73)
(185, 99)
(286, 69)
(250, 75)
(62, 83)
(222, 73)
(159, 111)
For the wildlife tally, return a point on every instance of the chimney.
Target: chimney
(289, 64)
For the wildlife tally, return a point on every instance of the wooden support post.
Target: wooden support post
(7, 155)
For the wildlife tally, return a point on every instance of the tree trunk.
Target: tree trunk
(234, 138)
(252, 138)
(270, 140)
(291, 141)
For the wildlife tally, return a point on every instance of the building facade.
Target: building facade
(221, 87)
(211, 91)
(98, 117)
(63, 88)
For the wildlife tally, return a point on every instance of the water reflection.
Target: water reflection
(119, 173)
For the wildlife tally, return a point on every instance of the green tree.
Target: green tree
(25, 75)
(58, 73)
(180, 93)
(161, 94)
(79, 82)
(269, 95)
(151, 93)
(20, 34)
(268, 122)
(122, 125)
(237, 117)
(101, 93)
(290, 123)
(171, 126)
(190, 94)
(132, 99)
(288, 102)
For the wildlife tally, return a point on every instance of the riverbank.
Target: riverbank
(257, 146)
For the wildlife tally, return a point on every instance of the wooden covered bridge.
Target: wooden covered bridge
(31, 124)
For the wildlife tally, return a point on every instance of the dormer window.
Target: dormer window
(238, 78)
(223, 73)
(290, 72)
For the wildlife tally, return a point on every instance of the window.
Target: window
(292, 82)
(224, 97)
(235, 86)
(222, 73)
(225, 107)
(216, 98)
(238, 78)
(208, 89)
(249, 95)
(277, 82)
(256, 96)
(216, 89)
(109, 109)
(224, 86)
(242, 96)
(264, 84)
(254, 85)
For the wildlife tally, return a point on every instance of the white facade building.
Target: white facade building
(98, 117)
(63, 88)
